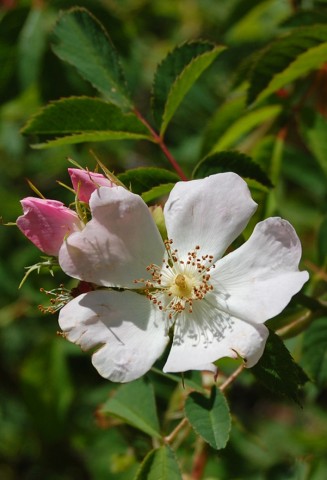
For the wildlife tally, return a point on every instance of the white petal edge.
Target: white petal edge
(257, 281)
(210, 212)
(117, 244)
(127, 328)
(237, 339)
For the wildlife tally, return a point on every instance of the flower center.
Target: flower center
(182, 286)
(177, 283)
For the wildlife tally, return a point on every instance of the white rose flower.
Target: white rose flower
(214, 307)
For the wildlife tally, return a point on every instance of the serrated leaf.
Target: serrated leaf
(175, 76)
(134, 403)
(286, 59)
(228, 161)
(245, 124)
(314, 351)
(209, 417)
(79, 39)
(143, 179)
(159, 464)
(314, 130)
(81, 119)
(277, 370)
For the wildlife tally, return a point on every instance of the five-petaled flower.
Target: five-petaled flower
(213, 306)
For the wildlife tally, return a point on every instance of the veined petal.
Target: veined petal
(128, 329)
(200, 340)
(117, 245)
(214, 211)
(257, 281)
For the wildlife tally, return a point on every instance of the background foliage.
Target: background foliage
(260, 109)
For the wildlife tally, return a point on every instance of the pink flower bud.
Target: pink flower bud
(85, 182)
(46, 223)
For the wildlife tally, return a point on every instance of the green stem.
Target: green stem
(160, 142)
(311, 303)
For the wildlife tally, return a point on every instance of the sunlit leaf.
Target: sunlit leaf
(314, 130)
(175, 76)
(157, 192)
(79, 39)
(287, 59)
(159, 464)
(244, 124)
(142, 180)
(278, 371)
(209, 417)
(81, 119)
(236, 162)
(225, 116)
(134, 403)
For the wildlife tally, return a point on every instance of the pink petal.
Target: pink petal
(85, 182)
(46, 223)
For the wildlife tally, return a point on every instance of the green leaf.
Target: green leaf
(287, 59)
(182, 379)
(32, 44)
(142, 180)
(159, 464)
(157, 192)
(314, 130)
(245, 124)
(134, 403)
(79, 39)
(209, 417)
(277, 370)
(176, 75)
(225, 116)
(231, 162)
(82, 119)
(314, 351)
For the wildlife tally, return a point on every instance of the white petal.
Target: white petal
(210, 213)
(128, 330)
(117, 245)
(210, 335)
(257, 281)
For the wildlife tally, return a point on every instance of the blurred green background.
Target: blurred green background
(50, 425)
